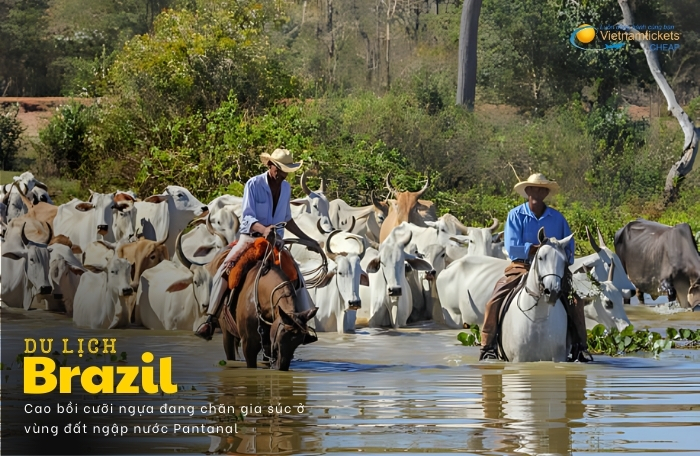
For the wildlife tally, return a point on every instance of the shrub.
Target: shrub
(10, 135)
(65, 139)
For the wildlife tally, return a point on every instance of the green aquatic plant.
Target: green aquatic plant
(472, 338)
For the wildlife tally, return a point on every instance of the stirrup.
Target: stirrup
(206, 329)
(581, 355)
(488, 353)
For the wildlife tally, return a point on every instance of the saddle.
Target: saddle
(244, 262)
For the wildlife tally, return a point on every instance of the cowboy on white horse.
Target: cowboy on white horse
(521, 242)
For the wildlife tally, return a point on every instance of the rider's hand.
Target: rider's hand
(268, 230)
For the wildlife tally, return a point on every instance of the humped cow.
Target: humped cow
(82, 222)
(100, 302)
(368, 219)
(389, 297)
(338, 297)
(174, 296)
(158, 221)
(26, 265)
(660, 257)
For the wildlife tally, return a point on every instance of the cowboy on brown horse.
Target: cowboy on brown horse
(266, 205)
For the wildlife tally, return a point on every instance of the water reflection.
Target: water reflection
(530, 411)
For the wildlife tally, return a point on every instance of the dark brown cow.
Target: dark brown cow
(407, 208)
(660, 257)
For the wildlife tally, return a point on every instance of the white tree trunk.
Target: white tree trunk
(692, 134)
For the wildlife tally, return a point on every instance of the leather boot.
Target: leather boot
(206, 329)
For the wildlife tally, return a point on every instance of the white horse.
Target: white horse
(534, 328)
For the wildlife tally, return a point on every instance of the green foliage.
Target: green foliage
(192, 60)
(10, 135)
(613, 342)
(65, 139)
(472, 338)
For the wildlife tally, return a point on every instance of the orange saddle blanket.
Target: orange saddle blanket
(254, 253)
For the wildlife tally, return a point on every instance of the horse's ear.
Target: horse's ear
(286, 319)
(541, 236)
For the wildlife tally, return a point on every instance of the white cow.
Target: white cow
(124, 217)
(603, 301)
(12, 199)
(65, 271)
(82, 222)
(315, 203)
(338, 298)
(226, 200)
(158, 222)
(368, 219)
(426, 303)
(26, 266)
(389, 297)
(600, 263)
(174, 296)
(100, 300)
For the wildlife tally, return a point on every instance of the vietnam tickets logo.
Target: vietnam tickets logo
(613, 37)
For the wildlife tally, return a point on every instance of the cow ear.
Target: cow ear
(203, 250)
(327, 279)
(364, 279)
(76, 250)
(84, 207)
(300, 202)
(419, 264)
(156, 199)
(163, 251)
(13, 255)
(121, 207)
(180, 285)
(76, 270)
(373, 265)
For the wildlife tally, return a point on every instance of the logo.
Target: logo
(613, 37)
(584, 34)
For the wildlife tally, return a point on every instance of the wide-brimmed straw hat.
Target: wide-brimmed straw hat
(536, 180)
(281, 158)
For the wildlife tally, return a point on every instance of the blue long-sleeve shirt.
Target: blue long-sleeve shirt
(257, 205)
(522, 227)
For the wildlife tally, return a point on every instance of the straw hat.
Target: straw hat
(536, 180)
(281, 158)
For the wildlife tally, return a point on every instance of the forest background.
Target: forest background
(190, 92)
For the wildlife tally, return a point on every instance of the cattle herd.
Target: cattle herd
(116, 260)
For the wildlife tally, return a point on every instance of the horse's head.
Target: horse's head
(549, 265)
(287, 333)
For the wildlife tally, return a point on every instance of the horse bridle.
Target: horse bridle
(537, 294)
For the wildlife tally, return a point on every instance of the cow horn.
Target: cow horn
(50, 233)
(304, 187)
(362, 246)
(611, 271)
(374, 200)
(322, 188)
(425, 187)
(495, 224)
(164, 239)
(388, 183)
(601, 241)
(320, 228)
(594, 246)
(214, 232)
(180, 254)
(352, 225)
(25, 241)
(329, 253)
(407, 238)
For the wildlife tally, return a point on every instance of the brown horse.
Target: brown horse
(268, 323)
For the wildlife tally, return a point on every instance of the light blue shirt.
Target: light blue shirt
(522, 227)
(257, 205)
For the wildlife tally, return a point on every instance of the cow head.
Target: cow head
(118, 274)
(40, 194)
(182, 200)
(225, 222)
(381, 209)
(124, 217)
(36, 264)
(435, 255)
(14, 200)
(142, 255)
(101, 204)
(287, 333)
(600, 263)
(316, 202)
(406, 202)
(604, 304)
(62, 263)
(347, 272)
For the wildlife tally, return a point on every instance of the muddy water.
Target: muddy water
(414, 390)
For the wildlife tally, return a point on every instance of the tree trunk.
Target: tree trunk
(466, 76)
(692, 134)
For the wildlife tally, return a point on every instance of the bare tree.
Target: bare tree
(692, 134)
(466, 75)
